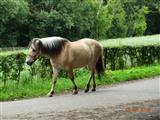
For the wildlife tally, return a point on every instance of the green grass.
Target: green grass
(34, 86)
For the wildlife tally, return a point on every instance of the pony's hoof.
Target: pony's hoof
(75, 92)
(86, 90)
(50, 94)
(93, 89)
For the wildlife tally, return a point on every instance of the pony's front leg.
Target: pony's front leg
(71, 76)
(54, 81)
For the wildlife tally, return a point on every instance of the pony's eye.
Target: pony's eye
(34, 50)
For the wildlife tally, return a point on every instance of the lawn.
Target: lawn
(30, 86)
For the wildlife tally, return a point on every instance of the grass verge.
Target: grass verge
(34, 86)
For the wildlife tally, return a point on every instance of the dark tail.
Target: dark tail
(100, 66)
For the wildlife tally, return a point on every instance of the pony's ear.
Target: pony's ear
(34, 39)
(39, 43)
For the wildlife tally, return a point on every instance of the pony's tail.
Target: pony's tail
(100, 66)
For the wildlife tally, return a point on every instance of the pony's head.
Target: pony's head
(49, 46)
(34, 51)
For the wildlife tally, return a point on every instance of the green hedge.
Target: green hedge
(11, 67)
(125, 57)
(123, 53)
(114, 58)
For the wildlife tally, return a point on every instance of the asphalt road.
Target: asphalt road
(46, 108)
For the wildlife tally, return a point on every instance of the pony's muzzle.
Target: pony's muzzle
(29, 61)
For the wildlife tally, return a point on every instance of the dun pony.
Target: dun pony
(67, 55)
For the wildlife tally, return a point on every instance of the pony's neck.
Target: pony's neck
(53, 48)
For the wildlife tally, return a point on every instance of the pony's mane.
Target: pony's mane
(52, 45)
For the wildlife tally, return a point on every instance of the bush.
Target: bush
(11, 66)
(124, 57)
(122, 53)
(114, 58)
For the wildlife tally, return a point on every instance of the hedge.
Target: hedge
(125, 57)
(123, 53)
(11, 67)
(116, 56)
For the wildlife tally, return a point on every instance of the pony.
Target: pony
(67, 55)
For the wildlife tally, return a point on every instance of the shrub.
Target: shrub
(11, 66)
(122, 53)
(124, 57)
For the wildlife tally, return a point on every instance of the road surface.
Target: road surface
(70, 107)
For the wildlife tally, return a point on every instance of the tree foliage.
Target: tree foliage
(13, 16)
(21, 20)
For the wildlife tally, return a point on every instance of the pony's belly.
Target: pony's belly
(79, 64)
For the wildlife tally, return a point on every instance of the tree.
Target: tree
(153, 17)
(13, 14)
(72, 19)
(117, 15)
(127, 18)
(135, 17)
(22, 20)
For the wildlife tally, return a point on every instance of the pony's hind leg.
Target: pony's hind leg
(88, 85)
(94, 84)
(71, 76)
(92, 76)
